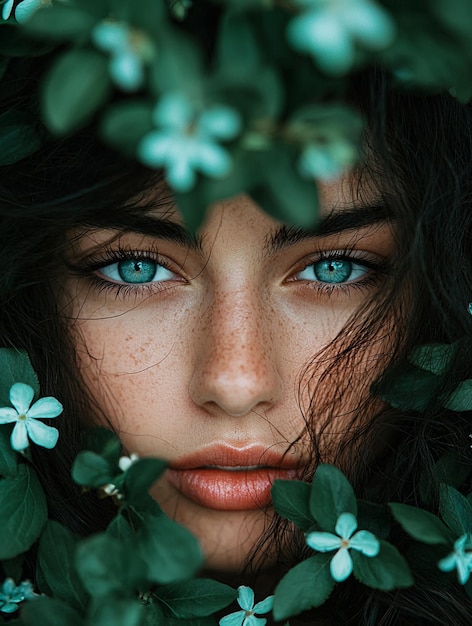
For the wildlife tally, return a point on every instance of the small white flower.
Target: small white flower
(247, 616)
(11, 595)
(460, 559)
(26, 417)
(330, 30)
(341, 563)
(126, 461)
(187, 141)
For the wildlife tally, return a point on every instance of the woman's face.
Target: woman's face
(195, 350)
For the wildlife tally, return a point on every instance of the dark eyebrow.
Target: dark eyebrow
(337, 221)
(159, 228)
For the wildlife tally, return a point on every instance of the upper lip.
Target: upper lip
(227, 456)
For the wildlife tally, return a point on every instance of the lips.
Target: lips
(226, 478)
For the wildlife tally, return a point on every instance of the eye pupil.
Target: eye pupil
(333, 271)
(137, 271)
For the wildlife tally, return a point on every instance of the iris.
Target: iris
(133, 271)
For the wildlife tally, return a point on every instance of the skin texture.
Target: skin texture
(215, 355)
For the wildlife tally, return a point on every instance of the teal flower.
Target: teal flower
(460, 559)
(130, 49)
(26, 417)
(11, 595)
(341, 563)
(24, 10)
(186, 142)
(247, 617)
(330, 29)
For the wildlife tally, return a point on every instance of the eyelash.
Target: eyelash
(377, 270)
(107, 257)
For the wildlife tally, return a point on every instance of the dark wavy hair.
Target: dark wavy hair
(418, 151)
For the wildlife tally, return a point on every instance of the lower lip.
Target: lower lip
(224, 490)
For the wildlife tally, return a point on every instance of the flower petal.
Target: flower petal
(19, 437)
(10, 607)
(127, 71)
(110, 36)
(41, 434)
(365, 542)
(448, 563)
(220, 122)
(213, 160)
(252, 620)
(26, 9)
(45, 408)
(21, 396)
(8, 415)
(234, 619)
(341, 565)
(180, 175)
(173, 111)
(265, 606)
(7, 8)
(245, 598)
(323, 542)
(463, 569)
(346, 525)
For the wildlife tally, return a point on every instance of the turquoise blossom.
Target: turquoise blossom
(186, 141)
(247, 617)
(11, 595)
(341, 563)
(460, 559)
(330, 29)
(26, 417)
(24, 10)
(129, 48)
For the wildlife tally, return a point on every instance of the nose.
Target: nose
(236, 370)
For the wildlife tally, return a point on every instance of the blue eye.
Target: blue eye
(333, 271)
(137, 271)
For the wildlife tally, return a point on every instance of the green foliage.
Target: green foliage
(76, 87)
(171, 552)
(50, 612)
(15, 367)
(23, 511)
(305, 586)
(331, 495)
(421, 525)
(455, 510)
(20, 136)
(389, 570)
(291, 500)
(56, 560)
(195, 598)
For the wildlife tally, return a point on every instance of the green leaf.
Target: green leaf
(23, 512)
(75, 88)
(125, 124)
(139, 478)
(331, 495)
(15, 367)
(13, 568)
(237, 51)
(46, 611)
(104, 442)
(119, 529)
(411, 389)
(117, 612)
(389, 570)
(282, 193)
(455, 510)
(436, 358)
(374, 517)
(421, 525)
(91, 470)
(291, 500)
(56, 557)
(60, 23)
(107, 566)
(305, 586)
(8, 457)
(196, 598)
(461, 398)
(20, 136)
(171, 551)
